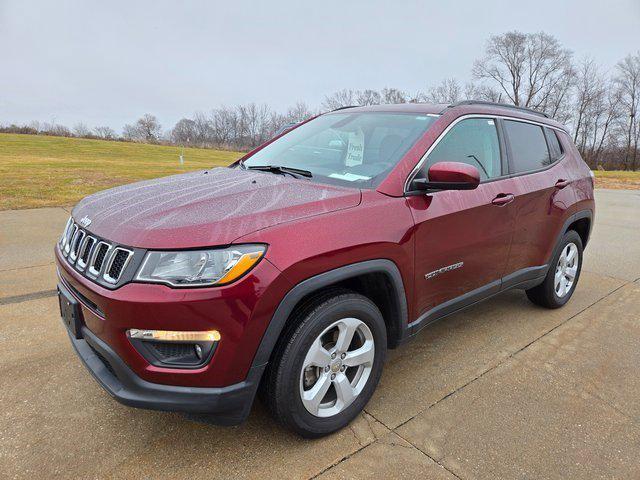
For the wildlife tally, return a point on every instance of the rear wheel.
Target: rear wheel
(563, 274)
(328, 364)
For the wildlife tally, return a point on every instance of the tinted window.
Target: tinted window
(473, 141)
(554, 145)
(528, 146)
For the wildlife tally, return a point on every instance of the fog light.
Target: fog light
(175, 349)
(174, 336)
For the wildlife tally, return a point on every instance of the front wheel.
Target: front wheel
(328, 364)
(563, 274)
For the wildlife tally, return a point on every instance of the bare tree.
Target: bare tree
(531, 70)
(393, 95)
(368, 97)
(254, 119)
(105, 133)
(299, 112)
(149, 128)
(130, 132)
(605, 114)
(81, 130)
(184, 132)
(146, 129)
(588, 95)
(449, 91)
(628, 81)
(341, 98)
(223, 123)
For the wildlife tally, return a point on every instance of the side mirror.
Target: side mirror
(449, 176)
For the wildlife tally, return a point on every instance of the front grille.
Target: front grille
(85, 251)
(101, 254)
(76, 242)
(117, 263)
(100, 260)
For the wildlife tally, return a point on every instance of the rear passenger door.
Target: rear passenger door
(539, 179)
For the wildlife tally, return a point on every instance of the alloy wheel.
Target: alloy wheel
(336, 367)
(566, 270)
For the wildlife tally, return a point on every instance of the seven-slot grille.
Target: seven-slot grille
(93, 256)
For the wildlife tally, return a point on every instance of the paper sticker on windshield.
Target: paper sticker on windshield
(355, 149)
(490, 122)
(351, 177)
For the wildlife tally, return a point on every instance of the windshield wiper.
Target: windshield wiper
(294, 172)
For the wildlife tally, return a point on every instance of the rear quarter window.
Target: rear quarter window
(555, 149)
(528, 146)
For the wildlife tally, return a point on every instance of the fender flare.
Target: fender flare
(565, 226)
(312, 284)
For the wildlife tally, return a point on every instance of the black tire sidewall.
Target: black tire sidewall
(287, 391)
(550, 291)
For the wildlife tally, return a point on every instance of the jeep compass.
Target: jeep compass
(291, 272)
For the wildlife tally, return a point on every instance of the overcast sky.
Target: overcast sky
(109, 62)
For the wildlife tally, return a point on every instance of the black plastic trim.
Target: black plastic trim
(291, 299)
(227, 405)
(523, 279)
(576, 216)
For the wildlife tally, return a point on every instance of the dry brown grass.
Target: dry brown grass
(618, 180)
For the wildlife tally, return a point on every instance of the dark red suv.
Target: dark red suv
(294, 270)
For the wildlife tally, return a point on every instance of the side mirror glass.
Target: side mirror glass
(449, 176)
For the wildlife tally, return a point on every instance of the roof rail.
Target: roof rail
(496, 104)
(346, 106)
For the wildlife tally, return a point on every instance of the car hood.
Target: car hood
(206, 208)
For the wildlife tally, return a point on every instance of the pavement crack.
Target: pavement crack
(28, 296)
(25, 268)
(412, 445)
(346, 457)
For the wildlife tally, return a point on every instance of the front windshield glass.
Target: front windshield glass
(356, 149)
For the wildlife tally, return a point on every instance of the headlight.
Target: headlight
(197, 268)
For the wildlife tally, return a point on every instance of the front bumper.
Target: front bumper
(228, 405)
(241, 313)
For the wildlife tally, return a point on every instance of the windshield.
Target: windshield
(356, 149)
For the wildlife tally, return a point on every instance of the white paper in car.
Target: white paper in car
(351, 177)
(355, 149)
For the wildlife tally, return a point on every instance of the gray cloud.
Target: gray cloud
(110, 62)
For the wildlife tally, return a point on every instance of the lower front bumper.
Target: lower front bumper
(226, 405)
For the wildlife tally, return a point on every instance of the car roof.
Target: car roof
(459, 109)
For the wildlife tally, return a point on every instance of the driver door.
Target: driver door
(462, 238)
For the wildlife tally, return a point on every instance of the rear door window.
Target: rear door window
(529, 149)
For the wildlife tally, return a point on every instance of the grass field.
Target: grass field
(617, 179)
(39, 171)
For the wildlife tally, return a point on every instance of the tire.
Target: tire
(549, 293)
(321, 325)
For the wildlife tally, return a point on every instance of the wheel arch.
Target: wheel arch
(581, 223)
(360, 277)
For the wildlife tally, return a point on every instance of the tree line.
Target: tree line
(532, 70)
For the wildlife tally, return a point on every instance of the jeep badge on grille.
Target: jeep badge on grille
(85, 221)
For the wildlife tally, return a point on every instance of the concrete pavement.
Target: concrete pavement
(502, 390)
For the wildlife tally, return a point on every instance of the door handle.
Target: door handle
(503, 199)
(562, 183)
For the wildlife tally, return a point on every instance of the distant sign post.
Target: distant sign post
(182, 154)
